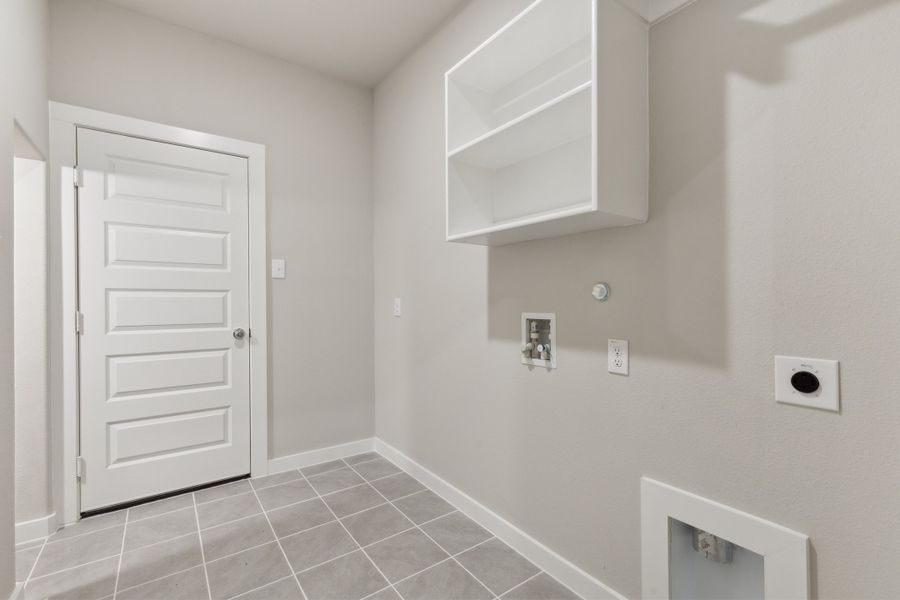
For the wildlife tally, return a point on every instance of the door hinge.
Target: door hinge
(79, 467)
(79, 322)
(77, 176)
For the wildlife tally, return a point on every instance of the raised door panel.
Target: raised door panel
(163, 282)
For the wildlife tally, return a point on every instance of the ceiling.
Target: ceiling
(356, 40)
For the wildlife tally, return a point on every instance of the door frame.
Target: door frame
(64, 120)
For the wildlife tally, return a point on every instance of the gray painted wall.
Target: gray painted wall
(318, 137)
(773, 230)
(23, 98)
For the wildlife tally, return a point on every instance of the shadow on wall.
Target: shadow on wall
(675, 279)
(669, 276)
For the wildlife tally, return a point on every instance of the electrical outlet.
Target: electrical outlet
(617, 357)
(277, 268)
(398, 307)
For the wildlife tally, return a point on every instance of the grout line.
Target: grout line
(129, 519)
(350, 487)
(165, 541)
(96, 560)
(284, 537)
(373, 594)
(356, 485)
(344, 465)
(298, 470)
(277, 541)
(393, 535)
(370, 544)
(232, 521)
(256, 589)
(48, 539)
(377, 568)
(242, 492)
(247, 549)
(325, 562)
(34, 566)
(359, 512)
(473, 546)
(341, 468)
(493, 536)
(407, 496)
(320, 497)
(414, 526)
(453, 558)
(518, 585)
(441, 517)
(202, 552)
(121, 554)
(429, 567)
(265, 487)
(155, 579)
(78, 535)
(440, 562)
(362, 462)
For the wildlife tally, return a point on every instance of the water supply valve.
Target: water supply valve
(538, 337)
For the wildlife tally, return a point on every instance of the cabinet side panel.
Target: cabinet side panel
(622, 111)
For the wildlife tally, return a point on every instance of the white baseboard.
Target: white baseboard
(35, 528)
(18, 592)
(314, 457)
(570, 575)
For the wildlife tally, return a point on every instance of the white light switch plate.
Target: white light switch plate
(827, 397)
(277, 268)
(398, 307)
(617, 357)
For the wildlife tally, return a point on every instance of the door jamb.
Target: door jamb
(64, 119)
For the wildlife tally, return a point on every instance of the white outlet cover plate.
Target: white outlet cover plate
(277, 268)
(827, 397)
(617, 357)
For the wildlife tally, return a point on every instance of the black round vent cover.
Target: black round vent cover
(804, 381)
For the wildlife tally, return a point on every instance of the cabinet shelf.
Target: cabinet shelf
(530, 153)
(563, 119)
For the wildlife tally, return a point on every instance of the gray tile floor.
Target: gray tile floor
(342, 530)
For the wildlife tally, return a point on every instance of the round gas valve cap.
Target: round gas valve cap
(805, 382)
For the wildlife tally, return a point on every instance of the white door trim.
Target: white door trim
(64, 119)
(785, 552)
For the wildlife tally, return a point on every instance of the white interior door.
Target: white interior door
(163, 284)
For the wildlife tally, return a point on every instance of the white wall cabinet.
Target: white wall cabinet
(546, 125)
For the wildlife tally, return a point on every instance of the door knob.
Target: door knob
(238, 333)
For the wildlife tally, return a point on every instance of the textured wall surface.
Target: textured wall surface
(23, 99)
(31, 377)
(317, 133)
(773, 230)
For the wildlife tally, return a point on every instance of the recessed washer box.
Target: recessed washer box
(810, 382)
(539, 340)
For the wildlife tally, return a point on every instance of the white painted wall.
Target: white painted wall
(23, 98)
(32, 465)
(317, 133)
(773, 229)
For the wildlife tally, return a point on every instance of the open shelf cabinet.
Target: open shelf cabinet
(546, 125)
